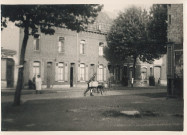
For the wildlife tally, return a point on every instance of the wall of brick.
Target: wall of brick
(49, 53)
(175, 35)
(175, 28)
(175, 45)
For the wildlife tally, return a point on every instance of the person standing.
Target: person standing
(34, 82)
(38, 84)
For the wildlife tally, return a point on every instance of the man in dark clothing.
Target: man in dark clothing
(34, 82)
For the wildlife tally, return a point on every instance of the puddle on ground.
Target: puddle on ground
(130, 114)
(73, 110)
(112, 113)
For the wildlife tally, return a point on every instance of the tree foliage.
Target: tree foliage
(137, 34)
(44, 18)
(157, 27)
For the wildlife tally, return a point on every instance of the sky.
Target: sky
(110, 6)
(120, 6)
(113, 8)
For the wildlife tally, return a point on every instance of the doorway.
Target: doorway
(143, 73)
(49, 74)
(157, 74)
(10, 73)
(71, 74)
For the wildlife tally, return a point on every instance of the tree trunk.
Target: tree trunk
(19, 86)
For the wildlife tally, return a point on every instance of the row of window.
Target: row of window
(61, 72)
(61, 43)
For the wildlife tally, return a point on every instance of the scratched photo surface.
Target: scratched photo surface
(111, 66)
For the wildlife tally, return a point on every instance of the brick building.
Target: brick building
(175, 49)
(157, 69)
(68, 58)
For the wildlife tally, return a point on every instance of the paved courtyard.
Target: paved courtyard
(69, 110)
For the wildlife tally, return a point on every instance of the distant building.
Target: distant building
(122, 74)
(9, 55)
(175, 50)
(68, 58)
(157, 69)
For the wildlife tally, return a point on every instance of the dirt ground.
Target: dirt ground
(69, 110)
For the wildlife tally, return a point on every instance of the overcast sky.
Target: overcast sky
(120, 6)
(114, 7)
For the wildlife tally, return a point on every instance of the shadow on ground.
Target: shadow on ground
(154, 95)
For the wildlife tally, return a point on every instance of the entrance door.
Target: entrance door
(71, 76)
(156, 74)
(130, 74)
(49, 74)
(143, 73)
(10, 73)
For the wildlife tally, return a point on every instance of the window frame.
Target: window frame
(101, 46)
(169, 19)
(61, 72)
(36, 41)
(34, 67)
(100, 73)
(82, 46)
(62, 44)
(82, 72)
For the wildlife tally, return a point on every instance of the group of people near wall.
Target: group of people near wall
(36, 84)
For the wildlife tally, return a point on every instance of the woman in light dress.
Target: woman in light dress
(38, 84)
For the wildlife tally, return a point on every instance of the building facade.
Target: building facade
(175, 50)
(122, 74)
(10, 48)
(157, 70)
(68, 58)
